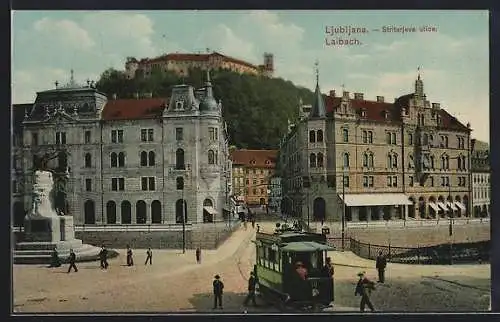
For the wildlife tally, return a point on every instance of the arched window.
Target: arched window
(156, 212)
(459, 163)
(319, 136)
(365, 159)
(111, 212)
(346, 160)
(312, 136)
(140, 212)
(88, 160)
(370, 160)
(389, 161)
(345, 135)
(312, 160)
(126, 211)
(426, 139)
(211, 157)
(144, 158)
(365, 136)
(179, 183)
(151, 158)
(114, 160)
(320, 160)
(388, 136)
(179, 159)
(432, 162)
(89, 209)
(121, 159)
(394, 161)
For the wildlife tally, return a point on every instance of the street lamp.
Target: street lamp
(343, 211)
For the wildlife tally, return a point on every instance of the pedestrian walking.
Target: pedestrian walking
(149, 257)
(252, 281)
(253, 222)
(218, 290)
(381, 264)
(364, 287)
(72, 260)
(198, 255)
(328, 269)
(130, 259)
(258, 227)
(55, 261)
(103, 256)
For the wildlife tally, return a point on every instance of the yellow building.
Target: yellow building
(381, 160)
(252, 170)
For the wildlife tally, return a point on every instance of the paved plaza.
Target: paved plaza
(176, 283)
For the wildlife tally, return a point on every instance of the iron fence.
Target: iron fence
(450, 253)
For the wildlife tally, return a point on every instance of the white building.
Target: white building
(481, 188)
(130, 161)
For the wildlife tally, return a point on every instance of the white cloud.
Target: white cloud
(65, 32)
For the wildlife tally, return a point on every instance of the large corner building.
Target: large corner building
(375, 160)
(128, 161)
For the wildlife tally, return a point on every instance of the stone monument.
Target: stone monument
(45, 229)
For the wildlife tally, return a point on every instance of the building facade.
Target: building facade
(252, 170)
(135, 161)
(275, 193)
(180, 63)
(374, 160)
(481, 188)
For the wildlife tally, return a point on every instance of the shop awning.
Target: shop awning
(210, 210)
(442, 206)
(452, 206)
(306, 246)
(460, 205)
(434, 206)
(376, 199)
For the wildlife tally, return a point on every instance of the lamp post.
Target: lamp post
(343, 211)
(450, 217)
(183, 222)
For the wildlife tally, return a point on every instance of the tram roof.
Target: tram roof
(305, 246)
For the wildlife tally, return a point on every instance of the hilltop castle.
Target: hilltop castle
(180, 63)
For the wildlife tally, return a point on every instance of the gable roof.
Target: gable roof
(245, 157)
(132, 109)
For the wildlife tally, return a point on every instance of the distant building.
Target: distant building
(407, 159)
(180, 63)
(275, 193)
(130, 161)
(252, 170)
(481, 188)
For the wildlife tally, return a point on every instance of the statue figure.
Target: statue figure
(43, 200)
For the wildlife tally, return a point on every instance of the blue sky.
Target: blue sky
(454, 60)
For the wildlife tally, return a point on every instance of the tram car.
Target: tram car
(290, 269)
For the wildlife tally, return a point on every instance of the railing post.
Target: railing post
(389, 251)
(369, 252)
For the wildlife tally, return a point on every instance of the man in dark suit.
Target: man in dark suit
(72, 260)
(381, 264)
(218, 290)
(252, 281)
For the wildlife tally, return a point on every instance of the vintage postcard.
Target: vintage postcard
(250, 161)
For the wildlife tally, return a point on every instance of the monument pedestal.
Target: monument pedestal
(43, 234)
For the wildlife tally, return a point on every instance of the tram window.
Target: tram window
(314, 260)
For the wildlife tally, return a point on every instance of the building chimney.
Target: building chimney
(332, 93)
(436, 106)
(358, 96)
(380, 99)
(346, 94)
(114, 96)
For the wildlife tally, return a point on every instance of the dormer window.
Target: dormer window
(252, 162)
(363, 113)
(386, 115)
(268, 162)
(179, 105)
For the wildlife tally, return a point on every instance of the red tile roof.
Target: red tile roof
(375, 111)
(195, 57)
(132, 109)
(245, 157)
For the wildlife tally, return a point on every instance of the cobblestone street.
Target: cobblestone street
(175, 282)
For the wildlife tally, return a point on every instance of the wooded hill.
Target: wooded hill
(255, 108)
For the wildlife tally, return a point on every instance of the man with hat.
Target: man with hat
(218, 290)
(363, 289)
(252, 281)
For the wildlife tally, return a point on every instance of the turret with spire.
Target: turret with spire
(318, 108)
(419, 86)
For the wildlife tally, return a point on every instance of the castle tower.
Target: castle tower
(268, 64)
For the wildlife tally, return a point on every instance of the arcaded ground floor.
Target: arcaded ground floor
(175, 282)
